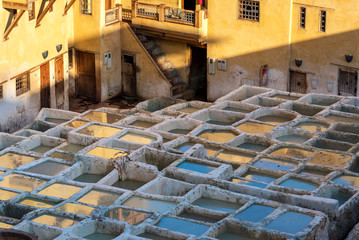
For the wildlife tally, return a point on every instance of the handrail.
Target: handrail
(68, 6)
(42, 15)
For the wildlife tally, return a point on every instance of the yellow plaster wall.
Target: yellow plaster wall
(323, 53)
(22, 52)
(169, 3)
(247, 45)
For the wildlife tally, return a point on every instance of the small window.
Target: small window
(70, 58)
(323, 20)
(302, 17)
(22, 84)
(249, 10)
(31, 11)
(86, 7)
(1, 91)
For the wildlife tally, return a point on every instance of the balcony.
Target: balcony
(168, 23)
(113, 15)
(17, 4)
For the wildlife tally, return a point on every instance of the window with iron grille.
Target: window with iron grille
(323, 20)
(22, 84)
(302, 17)
(1, 92)
(31, 11)
(249, 10)
(70, 55)
(86, 7)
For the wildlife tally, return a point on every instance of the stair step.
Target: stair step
(149, 44)
(175, 80)
(142, 38)
(178, 88)
(186, 95)
(164, 65)
(170, 73)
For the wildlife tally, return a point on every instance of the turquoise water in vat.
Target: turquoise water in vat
(259, 177)
(299, 184)
(153, 236)
(347, 180)
(184, 147)
(274, 164)
(149, 204)
(182, 226)
(249, 183)
(255, 213)
(196, 167)
(100, 236)
(217, 205)
(290, 222)
(233, 236)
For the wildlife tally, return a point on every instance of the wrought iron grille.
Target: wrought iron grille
(22, 84)
(249, 10)
(146, 10)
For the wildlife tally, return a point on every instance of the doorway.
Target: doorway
(59, 83)
(347, 82)
(86, 75)
(108, 4)
(45, 85)
(198, 72)
(129, 75)
(189, 5)
(298, 82)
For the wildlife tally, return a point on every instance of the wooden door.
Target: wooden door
(298, 82)
(59, 83)
(108, 4)
(86, 76)
(347, 83)
(128, 75)
(45, 85)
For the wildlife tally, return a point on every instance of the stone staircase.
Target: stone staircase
(178, 89)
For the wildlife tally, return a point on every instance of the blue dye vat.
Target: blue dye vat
(182, 226)
(275, 165)
(255, 213)
(197, 167)
(290, 222)
(299, 184)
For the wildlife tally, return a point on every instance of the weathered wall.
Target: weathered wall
(324, 52)
(247, 45)
(179, 54)
(150, 81)
(22, 52)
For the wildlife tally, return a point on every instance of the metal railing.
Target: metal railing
(126, 15)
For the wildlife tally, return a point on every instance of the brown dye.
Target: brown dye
(330, 159)
(235, 157)
(60, 190)
(77, 123)
(292, 152)
(21, 182)
(103, 117)
(255, 128)
(106, 152)
(76, 208)
(99, 131)
(14, 160)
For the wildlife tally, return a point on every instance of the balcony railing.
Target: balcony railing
(113, 15)
(162, 13)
